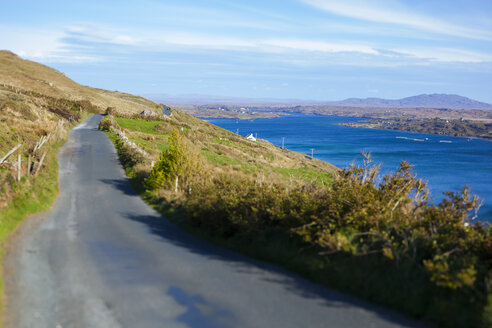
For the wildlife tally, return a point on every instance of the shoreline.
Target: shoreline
(375, 126)
(359, 125)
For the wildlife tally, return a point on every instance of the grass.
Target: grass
(159, 144)
(139, 125)
(307, 175)
(217, 159)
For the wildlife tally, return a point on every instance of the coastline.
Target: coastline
(412, 126)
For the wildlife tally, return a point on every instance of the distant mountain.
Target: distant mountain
(425, 100)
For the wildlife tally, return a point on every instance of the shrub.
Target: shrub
(178, 165)
(110, 111)
(105, 124)
(129, 156)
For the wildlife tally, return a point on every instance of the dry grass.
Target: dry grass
(28, 75)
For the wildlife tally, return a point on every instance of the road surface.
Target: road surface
(102, 258)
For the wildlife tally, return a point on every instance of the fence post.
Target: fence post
(40, 164)
(4, 158)
(18, 166)
(28, 164)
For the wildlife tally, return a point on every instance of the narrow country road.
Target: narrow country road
(102, 258)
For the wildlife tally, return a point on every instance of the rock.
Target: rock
(166, 110)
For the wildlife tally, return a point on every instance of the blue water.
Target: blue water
(443, 165)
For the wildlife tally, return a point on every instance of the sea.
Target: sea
(445, 163)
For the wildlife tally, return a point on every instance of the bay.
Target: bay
(445, 163)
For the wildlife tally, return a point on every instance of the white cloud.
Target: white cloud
(101, 34)
(445, 55)
(201, 41)
(308, 45)
(33, 43)
(40, 45)
(85, 43)
(388, 11)
(163, 40)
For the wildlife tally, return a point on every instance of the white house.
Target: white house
(251, 137)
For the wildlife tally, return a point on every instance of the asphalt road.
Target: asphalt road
(102, 258)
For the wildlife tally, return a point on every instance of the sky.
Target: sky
(286, 49)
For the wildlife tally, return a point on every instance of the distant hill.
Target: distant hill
(424, 100)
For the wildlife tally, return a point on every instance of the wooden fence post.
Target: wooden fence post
(18, 166)
(40, 164)
(9, 153)
(28, 164)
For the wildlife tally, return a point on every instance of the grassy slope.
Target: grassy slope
(36, 77)
(26, 114)
(227, 152)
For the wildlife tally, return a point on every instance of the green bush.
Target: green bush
(390, 223)
(177, 166)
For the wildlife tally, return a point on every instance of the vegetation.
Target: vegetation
(383, 242)
(27, 126)
(179, 163)
(34, 77)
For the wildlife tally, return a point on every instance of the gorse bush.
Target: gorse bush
(361, 218)
(390, 222)
(105, 124)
